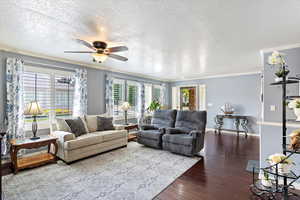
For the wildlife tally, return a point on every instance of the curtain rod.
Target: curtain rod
(36, 64)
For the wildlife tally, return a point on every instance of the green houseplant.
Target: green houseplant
(154, 105)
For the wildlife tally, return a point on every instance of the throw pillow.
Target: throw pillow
(85, 124)
(62, 125)
(105, 124)
(77, 126)
(91, 121)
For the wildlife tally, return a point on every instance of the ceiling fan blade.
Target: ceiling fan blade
(117, 57)
(117, 49)
(85, 43)
(79, 52)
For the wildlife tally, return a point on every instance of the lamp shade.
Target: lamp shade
(125, 106)
(33, 108)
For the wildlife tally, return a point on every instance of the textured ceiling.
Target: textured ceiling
(167, 39)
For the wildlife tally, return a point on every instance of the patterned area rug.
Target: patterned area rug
(132, 173)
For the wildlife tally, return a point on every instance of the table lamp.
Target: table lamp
(125, 107)
(34, 109)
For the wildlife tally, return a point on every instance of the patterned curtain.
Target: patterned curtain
(80, 92)
(14, 100)
(164, 95)
(141, 103)
(108, 95)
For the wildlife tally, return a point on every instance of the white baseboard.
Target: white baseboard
(232, 132)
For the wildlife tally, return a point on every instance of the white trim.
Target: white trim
(68, 61)
(217, 76)
(279, 124)
(233, 132)
(280, 48)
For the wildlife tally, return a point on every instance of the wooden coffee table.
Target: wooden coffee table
(36, 159)
(132, 136)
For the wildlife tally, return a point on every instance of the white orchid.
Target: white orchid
(278, 158)
(276, 58)
(294, 104)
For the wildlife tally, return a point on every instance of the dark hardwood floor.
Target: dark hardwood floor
(221, 174)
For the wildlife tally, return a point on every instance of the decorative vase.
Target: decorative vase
(297, 113)
(283, 168)
(266, 183)
(278, 79)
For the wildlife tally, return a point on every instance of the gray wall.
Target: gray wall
(271, 135)
(243, 92)
(96, 81)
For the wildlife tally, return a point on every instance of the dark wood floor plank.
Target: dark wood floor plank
(221, 174)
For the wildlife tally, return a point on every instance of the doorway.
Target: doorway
(188, 98)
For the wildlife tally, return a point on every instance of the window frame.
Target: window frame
(52, 73)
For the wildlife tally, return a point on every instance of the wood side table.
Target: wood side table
(34, 160)
(131, 137)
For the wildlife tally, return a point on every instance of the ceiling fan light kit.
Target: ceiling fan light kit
(100, 51)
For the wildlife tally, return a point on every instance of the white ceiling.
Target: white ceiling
(167, 39)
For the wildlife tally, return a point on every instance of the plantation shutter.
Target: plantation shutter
(132, 95)
(118, 95)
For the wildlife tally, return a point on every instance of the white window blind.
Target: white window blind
(118, 96)
(202, 97)
(148, 95)
(53, 95)
(132, 97)
(157, 93)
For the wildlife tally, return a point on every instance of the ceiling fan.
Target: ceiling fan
(100, 51)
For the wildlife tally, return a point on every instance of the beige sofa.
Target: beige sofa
(71, 148)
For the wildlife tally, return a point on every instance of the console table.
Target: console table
(34, 160)
(238, 120)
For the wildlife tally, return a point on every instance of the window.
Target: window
(157, 93)
(148, 95)
(53, 89)
(118, 96)
(132, 97)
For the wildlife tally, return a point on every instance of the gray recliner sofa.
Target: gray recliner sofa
(151, 135)
(187, 137)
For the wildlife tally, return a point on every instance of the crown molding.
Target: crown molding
(72, 62)
(280, 48)
(217, 76)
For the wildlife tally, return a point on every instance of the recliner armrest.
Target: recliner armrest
(175, 131)
(148, 127)
(196, 133)
(63, 136)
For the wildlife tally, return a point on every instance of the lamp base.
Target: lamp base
(35, 138)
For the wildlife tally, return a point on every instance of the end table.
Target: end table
(34, 160)
(133, 136)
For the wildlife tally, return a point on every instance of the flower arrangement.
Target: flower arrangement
(295, 104)
(279, 158)
(295, 139)
(283, 162)
(277, 59)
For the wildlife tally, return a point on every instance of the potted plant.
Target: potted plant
(265, 180)
(284, 164)
(154, 105)
(277, 59)
(295, 104)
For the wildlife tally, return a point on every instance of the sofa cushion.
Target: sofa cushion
(91, 121)
(150, 134)
(62, 125)
(191, 120)
(111, 135)
(83, 141)
(77, 126)
(179, 139)
(164, 118)
(105, 123)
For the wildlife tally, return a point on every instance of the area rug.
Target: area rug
(253, 164)
(132, 173)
